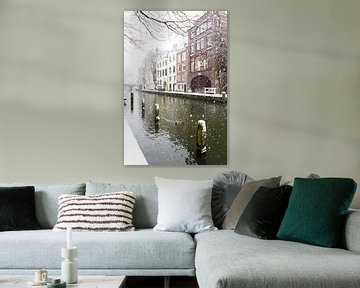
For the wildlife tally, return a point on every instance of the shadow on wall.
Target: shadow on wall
(40, 144)
(53, 54)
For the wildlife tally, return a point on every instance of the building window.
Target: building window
(192, 48)
(203, 27)
(209, 41)
(179, 57)
(179, 68)
(184, 67)
(202, 43)
(197, 45)
(209, 24)
(174, 69)
(192, 65)
(205, 64)
(200, 65)
(183, 56)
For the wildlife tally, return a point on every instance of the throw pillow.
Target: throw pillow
(46, 200)
(184, 205)
(263, 215)
(146, 205)
(316, 211)
(17, 208)
(226, 187)
(105, 212)
(243, 198)
(311, 175)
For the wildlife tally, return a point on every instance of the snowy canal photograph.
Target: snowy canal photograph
(175, 88)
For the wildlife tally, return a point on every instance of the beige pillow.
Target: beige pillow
(243, 198)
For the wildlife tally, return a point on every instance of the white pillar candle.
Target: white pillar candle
(69, 237)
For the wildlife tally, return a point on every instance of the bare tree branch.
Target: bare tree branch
(159, 25)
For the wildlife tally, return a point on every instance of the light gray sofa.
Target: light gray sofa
(226, 259)
(142, 252)
(219, 259)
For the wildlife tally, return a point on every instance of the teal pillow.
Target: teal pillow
(316, 211)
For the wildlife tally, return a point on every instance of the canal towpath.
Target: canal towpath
(211, 97)
(132, 151)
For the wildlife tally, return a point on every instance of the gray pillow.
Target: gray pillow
(243, 198)
(184, 205)
(310, 176)
(146, 206)
(225, 189)
(46, 200)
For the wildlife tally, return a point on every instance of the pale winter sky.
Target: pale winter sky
(134, 56)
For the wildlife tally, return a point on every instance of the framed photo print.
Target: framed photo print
(175, 87)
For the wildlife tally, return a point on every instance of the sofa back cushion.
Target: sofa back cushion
(146, 204)
(46, 200)
(350, 237)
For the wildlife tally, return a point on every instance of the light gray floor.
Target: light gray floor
(84, 282)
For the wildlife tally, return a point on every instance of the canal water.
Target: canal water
(172, 141)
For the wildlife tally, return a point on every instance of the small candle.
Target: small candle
(69, 239)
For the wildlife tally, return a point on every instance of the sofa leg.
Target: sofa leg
(167, 282)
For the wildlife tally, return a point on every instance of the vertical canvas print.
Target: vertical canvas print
(175, 88)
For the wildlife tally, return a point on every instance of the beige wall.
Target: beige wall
(294, 90)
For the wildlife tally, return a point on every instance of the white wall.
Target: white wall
(294, 90)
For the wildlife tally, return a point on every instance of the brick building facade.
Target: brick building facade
(207, 52)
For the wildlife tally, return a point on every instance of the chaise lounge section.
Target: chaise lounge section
(225, 259)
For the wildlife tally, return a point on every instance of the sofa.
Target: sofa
(219, 258)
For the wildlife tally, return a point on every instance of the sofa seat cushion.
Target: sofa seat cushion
(226, 259)
(142, 249)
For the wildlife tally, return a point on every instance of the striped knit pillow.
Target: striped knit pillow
(105, 212)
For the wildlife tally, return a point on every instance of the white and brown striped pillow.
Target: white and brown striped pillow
(104, 212)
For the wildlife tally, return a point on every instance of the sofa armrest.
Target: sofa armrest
(351, 234)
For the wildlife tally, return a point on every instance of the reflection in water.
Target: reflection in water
(172, 139)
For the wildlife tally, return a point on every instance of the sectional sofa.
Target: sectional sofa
(219, 259)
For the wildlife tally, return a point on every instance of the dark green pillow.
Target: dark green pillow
(264, 212)
(316, 211)
(17, 208)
